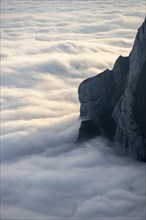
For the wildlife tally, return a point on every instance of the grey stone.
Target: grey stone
(115, 101)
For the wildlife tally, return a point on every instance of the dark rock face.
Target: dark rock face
(89, 127)
(140, 103)
(113, 103)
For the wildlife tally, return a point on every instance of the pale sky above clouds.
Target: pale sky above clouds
(47, 49)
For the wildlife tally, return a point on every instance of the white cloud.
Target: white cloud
(48, 48)
(70, 181)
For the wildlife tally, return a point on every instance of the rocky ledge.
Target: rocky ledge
(113, 103)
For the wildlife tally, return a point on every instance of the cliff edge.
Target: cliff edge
(113, 103)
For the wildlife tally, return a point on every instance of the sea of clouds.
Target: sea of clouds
(47, 49)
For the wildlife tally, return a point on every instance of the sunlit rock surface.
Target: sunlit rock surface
(113, 103)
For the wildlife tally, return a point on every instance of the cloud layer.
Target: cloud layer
(67, 181)
(48, 48)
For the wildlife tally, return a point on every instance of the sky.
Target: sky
(47, 49)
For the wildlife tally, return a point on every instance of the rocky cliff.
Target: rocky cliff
(113, 103)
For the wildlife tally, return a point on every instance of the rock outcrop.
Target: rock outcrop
(113, 103)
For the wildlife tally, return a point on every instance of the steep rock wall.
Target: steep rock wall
(113, 103)
(130, 107)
